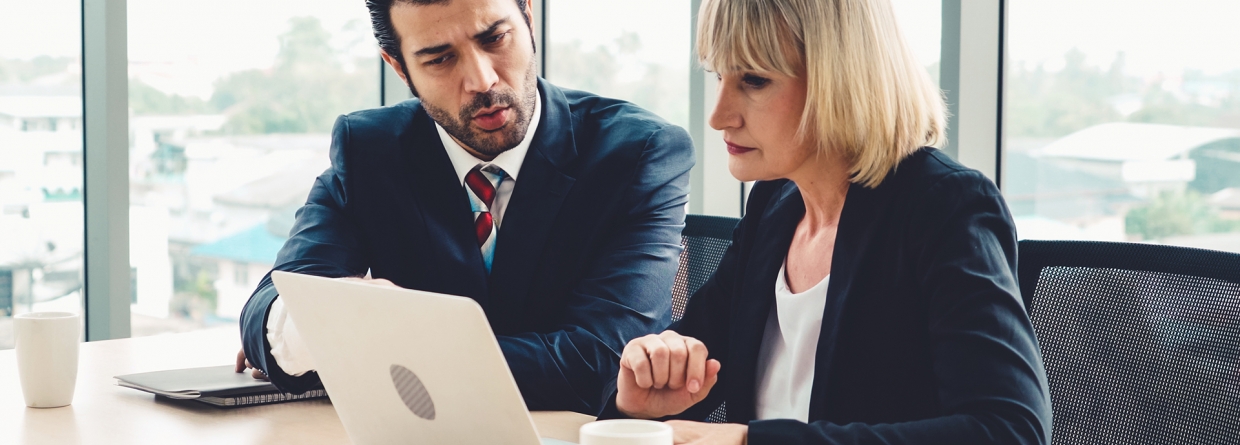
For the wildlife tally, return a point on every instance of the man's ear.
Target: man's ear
(391, 61)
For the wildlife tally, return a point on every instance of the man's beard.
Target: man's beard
(485, 142)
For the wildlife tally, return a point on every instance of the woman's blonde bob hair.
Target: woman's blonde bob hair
(867, 96)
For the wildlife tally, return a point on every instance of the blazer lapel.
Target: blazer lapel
(756, 299)
(535, 202)
(852, 239)
(446, 210)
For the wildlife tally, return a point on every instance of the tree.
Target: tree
(303, 92)
(146, 100)
(1173, 213)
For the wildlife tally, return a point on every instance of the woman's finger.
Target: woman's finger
(678, 356)
(695, 372)
(635, 359)
(658, 353)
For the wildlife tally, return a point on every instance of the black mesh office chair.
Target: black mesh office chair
(1141, 342)
(705, 239)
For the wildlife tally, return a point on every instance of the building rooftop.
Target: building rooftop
(255, 245)
(1129, 141)
(28, 107)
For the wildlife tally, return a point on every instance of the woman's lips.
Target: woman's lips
(738, 149)
(493, 120)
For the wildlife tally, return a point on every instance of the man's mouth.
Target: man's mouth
(492, 118)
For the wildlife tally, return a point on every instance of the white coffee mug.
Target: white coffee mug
(47, 356)
(626, 432)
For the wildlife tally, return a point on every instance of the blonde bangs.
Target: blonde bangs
(747, 36)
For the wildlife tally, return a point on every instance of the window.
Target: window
(41, 219)
(1123, 121)
(634, 50)
(232, 106)
(922, 25)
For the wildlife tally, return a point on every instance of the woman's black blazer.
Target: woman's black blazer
(924, 337)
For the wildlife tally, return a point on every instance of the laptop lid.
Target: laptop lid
(405, 365)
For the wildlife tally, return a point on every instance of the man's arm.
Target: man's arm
(625, 292)
(323, 242)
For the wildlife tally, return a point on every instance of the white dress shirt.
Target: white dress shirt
(785, 378)
(287, 346)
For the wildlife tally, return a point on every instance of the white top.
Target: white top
(789, 346)
(286, 344)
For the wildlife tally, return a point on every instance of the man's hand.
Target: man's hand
(693, 433)
(662, 375)
(243, 364)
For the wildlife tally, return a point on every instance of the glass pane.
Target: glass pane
(921, 22)
(41, 218)
(232, 106)
(1124, 127)
(640, 53)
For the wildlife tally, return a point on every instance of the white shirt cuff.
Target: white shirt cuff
(286, 344)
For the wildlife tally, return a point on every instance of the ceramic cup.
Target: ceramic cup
(626, 432)
(47, 356)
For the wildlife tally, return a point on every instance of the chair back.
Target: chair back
(1141, 342)
(705, 238)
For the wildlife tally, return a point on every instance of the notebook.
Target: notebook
(215, 385)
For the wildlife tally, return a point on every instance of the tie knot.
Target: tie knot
(481, 185)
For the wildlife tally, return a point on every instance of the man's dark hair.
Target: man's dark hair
(389, 42)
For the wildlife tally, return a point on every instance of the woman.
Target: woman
(869, 295)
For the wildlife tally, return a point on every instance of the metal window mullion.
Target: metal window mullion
(105, 114)
(971, 75)
(713, 190)
(697, 117)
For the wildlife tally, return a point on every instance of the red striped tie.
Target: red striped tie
(485, 192)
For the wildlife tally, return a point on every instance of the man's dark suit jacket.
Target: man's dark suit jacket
(584, 259)
(924, 337)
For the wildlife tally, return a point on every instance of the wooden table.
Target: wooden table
(103, 413)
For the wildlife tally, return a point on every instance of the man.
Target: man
(558, 211)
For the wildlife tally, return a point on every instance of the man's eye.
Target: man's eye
(437, 61)
(494, 38)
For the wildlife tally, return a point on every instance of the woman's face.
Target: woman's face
(758, 114)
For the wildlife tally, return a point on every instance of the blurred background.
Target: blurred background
(1122, 122)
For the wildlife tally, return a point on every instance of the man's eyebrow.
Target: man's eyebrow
(490, 29)
(431, 50)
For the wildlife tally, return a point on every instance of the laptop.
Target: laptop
(406, 366)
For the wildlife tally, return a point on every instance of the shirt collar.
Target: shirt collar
(510, 161)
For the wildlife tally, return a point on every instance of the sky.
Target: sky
(192, 43)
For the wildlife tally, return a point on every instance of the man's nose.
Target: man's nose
(480, 75)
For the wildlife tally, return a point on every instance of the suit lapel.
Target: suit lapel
(446, 210)
(535, 202)
(852, 239)
(749, 315)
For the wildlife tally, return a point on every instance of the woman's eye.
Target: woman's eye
(755, 81)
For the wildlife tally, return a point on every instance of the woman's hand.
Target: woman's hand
(663, 374)
(692, 433)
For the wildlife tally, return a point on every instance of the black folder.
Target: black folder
(214, 385)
